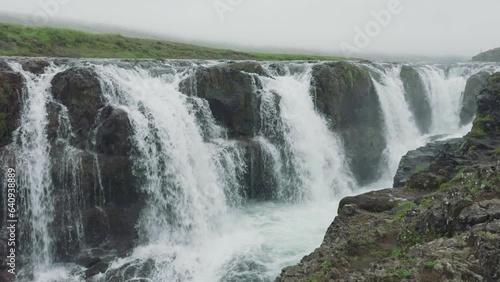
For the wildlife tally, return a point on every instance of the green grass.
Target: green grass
(479, 125)
(326, 265)
(293, 57)
(430, 264)
(403, 209)
(423, 167)
(16, 40)
(314, 278)
(402, 273)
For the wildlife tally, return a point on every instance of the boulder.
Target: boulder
(113, 132)
(80, 91)
(376, 201)
(420, 159)
(469, 101)
(345, 94)
(415, 95)
(36, 66)
(230, 91)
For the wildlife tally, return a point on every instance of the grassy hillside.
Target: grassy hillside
(492, 55)
(16, 40)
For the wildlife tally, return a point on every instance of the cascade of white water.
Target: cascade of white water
(444, 89)
(444, 92)
(312, 163)
(31, 149)
(196, 224)
(401, 132)
(191, 174)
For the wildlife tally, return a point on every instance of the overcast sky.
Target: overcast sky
(427, 27)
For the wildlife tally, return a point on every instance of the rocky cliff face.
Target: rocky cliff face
(345, 94)
(416, 97)
(469, 102)
(443, 225)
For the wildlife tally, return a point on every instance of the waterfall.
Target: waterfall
(401, 131)
(311, 162)
(190, 199)
(444, 90)
(191, 184)
(198, 223)
(32, 152)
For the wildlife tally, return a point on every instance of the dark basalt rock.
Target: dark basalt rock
(420, 159)
(99, 267)
(107, 199)
(230, 92)
(113, 132)
(469, 102)
(79, 90)
(259, 183)
(489, 99)
(11, 87)
(377, 201)
(416, 98)
(36, 66)
(345, 94)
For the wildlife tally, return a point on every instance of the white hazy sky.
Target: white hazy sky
(424, 27)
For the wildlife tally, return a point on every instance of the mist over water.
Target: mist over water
(198, 224)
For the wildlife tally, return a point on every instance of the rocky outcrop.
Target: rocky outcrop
(112, 132)
(469, 101)
(11, 85)
(104, 195)
(80, 91)
(345, 94)
(417, 99)
(420, 159)
(230, 92)
(492, 55)
(443, 225)
(487, 122)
